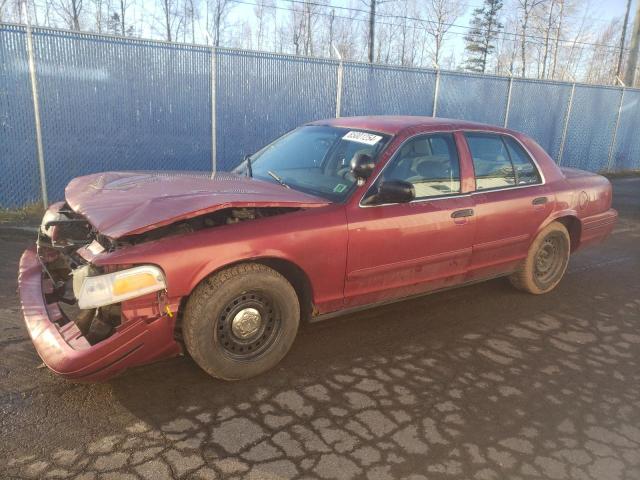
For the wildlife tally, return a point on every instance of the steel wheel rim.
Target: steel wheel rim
(241, 337)
(549, 259)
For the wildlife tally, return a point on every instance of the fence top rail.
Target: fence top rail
(203, 47)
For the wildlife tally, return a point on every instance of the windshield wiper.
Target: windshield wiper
(277, 179)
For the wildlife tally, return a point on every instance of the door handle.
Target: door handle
(466, 212)
(539, 201)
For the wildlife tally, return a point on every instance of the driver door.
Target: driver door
(398, 250)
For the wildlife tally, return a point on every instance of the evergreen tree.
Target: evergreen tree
(485, 26)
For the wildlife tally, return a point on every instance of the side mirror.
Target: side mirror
(395, 191)
(362, 166)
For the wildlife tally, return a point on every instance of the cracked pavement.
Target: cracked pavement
(480, 382)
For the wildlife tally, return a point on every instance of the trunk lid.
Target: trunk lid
(126, 203)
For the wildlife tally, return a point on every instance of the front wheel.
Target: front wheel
(241, 322)
(546, 261)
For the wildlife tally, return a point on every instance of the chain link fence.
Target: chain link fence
(112, 103)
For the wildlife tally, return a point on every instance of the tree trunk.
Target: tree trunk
(76, 14)
(546, 40)
(555, 48)
(632, 63)
(167, 19)
(623, 38)
(122, 22)
(523, 44)
(372, 28)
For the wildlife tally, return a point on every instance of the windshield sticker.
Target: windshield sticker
(339, 188)
(362, 137)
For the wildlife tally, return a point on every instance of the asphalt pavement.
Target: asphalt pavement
(481, 382)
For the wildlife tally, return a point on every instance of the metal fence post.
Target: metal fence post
(339, 83)
(566, 123)
(436, 91)
(214, 142)
(36, 108)
(506, 113)
(615, 132)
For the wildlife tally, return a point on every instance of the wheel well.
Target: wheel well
(574, 227)
(297, 278)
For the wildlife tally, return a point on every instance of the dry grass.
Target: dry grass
(31, 213)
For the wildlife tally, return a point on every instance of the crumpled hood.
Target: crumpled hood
(126, 203)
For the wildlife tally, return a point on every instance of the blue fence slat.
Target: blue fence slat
(627, 148)
(19, 180)
(110, 104)
(591, 126)
(381, 90)
(472, 97)
(539, 110)
(261, 96)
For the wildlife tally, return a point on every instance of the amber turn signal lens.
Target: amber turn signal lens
(132, 283)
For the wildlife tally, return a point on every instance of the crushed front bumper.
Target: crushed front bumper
(63, 348)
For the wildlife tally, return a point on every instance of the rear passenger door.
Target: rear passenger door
(511, 201)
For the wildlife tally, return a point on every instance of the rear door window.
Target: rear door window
(491, 162)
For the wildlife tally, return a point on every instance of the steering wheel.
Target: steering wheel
(343, 172)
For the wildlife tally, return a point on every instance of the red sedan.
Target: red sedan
(336, 215)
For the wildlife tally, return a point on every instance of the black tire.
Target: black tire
(546, 261)
(218, 344)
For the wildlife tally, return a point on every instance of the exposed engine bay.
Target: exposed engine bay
(64, 232)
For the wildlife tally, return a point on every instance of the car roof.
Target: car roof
(394, 124)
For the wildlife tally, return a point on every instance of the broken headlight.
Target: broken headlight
(119, 286)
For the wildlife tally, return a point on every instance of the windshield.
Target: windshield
(315, 159)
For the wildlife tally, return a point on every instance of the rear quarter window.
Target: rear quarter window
(526, 171)
(499, 161)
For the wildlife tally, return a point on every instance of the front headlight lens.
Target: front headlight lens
(119, 286)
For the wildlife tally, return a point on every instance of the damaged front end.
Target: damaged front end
(89, 322)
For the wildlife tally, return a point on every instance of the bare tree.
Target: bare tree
(507, 48)
(4, 7)
(557, 39)
(632, 62)
(547, 29)
(573, 54)
(372, 27)
(603, 58)
(263, 12)
(190, 10)
(440, 17)
(303, 26)
(216, 13)
(98, 7)
(69, 12)
(346, 33)
(527, 8)
(623, 38)
(297, 26)
(172, 19)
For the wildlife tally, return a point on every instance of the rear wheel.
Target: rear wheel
(241, 321)
(546, 261)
